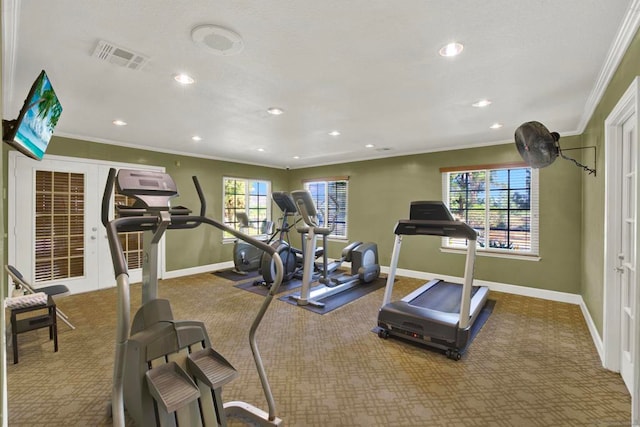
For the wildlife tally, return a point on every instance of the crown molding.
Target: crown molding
(619, 47)
(10, 13)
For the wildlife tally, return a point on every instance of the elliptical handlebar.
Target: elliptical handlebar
(308, 212)
(203, 201)
(158, 220)
(106, 197)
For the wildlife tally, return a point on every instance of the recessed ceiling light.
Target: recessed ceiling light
(296, 157)
(369, 146)
(119, 122)
(184, 79)
(451, 49)
(275, 111)
(261, 149)
(496, 126)
(481, 103)
(196, 138)
(334, 133)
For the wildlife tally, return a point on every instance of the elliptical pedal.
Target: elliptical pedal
(171, 387)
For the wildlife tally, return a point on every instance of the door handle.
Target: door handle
(619, 269)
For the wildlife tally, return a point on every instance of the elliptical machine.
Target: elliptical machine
(291, 257)
(363, 258)
(246, 257)
(165, 371)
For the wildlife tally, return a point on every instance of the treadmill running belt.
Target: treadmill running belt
(444, 296)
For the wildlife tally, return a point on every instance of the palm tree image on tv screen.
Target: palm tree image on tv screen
(41, 114)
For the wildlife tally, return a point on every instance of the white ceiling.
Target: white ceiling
(368, 68)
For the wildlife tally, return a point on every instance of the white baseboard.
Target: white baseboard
(595, 336)
(494, 286)
(197, 270)
(519, 290)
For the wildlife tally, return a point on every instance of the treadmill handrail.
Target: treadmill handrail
(435, 228)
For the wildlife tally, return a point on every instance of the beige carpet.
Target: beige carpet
(532, 364)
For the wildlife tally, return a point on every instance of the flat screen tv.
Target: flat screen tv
(31, 132)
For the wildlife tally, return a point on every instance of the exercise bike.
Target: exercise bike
(362, 256)
(246, 257)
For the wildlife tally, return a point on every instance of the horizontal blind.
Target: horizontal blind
(500, 204)
(131, 241)
(59, 225)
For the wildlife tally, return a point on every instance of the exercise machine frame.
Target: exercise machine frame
(363, 258)
(443, 330)
(152, 214)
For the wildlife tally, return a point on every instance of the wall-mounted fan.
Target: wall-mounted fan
(539, 148)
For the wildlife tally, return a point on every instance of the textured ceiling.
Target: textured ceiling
(368, 68)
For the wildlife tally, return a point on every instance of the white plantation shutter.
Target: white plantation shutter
(59, 225)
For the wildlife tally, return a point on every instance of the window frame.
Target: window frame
(533, 253)
(255, 225)
(342, 214)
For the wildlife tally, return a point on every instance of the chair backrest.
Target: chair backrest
(53, 290)
(19, 279)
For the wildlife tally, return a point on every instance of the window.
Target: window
(247, 205)
(331, 195)
(500, 203)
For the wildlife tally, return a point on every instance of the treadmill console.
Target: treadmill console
(430, 211)
(433, 219)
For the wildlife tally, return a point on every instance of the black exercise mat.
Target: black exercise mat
(482, 318)
(338, 300)
(229, 274)
(263, 290)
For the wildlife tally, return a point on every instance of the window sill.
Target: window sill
(490, 254)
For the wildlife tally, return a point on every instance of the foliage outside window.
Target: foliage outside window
(246, 197)
(330, 198)
(501, 204)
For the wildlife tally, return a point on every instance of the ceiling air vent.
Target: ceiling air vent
(119, 56)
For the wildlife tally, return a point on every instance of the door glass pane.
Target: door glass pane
(131, 241)
(59, 225)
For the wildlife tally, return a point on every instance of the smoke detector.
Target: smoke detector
(217, 40)
(119, 56)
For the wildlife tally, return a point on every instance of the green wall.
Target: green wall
(380, 192)
(593, 189)
(203, 242)
(571, 204)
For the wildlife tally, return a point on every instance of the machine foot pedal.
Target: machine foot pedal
(211, 368)
(171, 386)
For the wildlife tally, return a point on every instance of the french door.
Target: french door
(626, 268)
(55, 229)
(621, 343)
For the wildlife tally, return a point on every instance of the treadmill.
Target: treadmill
(439, 314)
